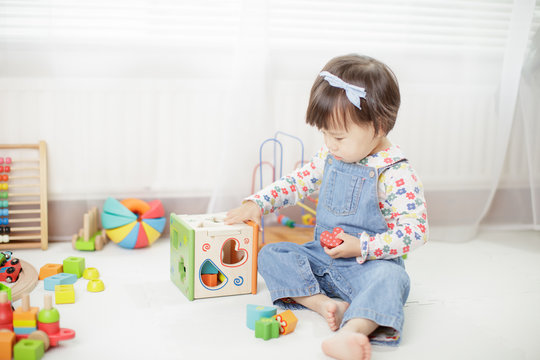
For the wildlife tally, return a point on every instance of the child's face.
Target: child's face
(355, 143)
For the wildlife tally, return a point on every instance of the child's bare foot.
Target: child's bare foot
(333, 310)
(347, 345)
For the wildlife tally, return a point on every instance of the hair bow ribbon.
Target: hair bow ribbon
(353, 92)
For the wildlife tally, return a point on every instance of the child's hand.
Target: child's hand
(248, 211)
(350, 247)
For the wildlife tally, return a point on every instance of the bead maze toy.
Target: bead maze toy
(133, 223)
(90, 238)
(308, 219)
(209, 258)
(23, 196)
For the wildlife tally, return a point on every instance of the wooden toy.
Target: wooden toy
(330, 240)
(7, 341)
(28, 349)
(95, 285)
(133, 223)
(266, 328)
(49, 322)
(25, 193)
(287, 322)
(91, 273)
(64, 294)
(6, 312)
(256, 312)
(25, 317)
(50, 270)
(59, 279)
(74, 265)
(6, 289)
(90, 238)
(28, 280)
(202, 245)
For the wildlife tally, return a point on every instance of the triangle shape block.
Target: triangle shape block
(158, 224)
(118, 234)
(111, 221)
(131, 239)
(115, 207)
(151, 233)
(156, 210)
(142, 239)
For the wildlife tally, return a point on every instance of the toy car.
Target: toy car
(10, 267)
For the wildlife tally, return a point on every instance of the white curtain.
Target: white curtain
(172, 99)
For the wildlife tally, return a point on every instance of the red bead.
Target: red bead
(1, 169)
(7, 169)
(8, 160)
(5, 178)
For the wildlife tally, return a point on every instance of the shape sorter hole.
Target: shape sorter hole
(182, 269)
(211, 276)
(231, 255)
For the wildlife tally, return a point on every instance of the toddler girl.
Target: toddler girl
(367, 189)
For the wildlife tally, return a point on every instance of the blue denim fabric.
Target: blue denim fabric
(376, 289)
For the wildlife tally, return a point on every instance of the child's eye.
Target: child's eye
(339, 139)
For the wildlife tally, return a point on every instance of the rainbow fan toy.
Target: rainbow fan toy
(133, 223)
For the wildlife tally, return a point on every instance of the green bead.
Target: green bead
(48, 316)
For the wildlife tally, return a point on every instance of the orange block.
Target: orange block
(29, 315)
(210, 280)
(287, 322)
(50, 270)
(7, 341)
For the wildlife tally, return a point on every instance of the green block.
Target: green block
(7, 289)
(266, 328)
(74, 265)
(89, 245)
(28, 349)
(182, 256)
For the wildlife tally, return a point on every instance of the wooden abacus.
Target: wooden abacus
(23, 196)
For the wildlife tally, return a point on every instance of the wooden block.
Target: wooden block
(287, 322)
(28, 349)
(74, 265)
(7, 340)
(59, 279)
(25, 316)
(64, 294)
(210, 280)
(49, 270)
(256, 312)
(266, 328)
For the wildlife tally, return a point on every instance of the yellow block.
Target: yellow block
(30, 315)
(64, 294)
(118, 234)
(24, 323)
(151, 233)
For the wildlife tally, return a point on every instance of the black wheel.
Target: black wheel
(9, 279)
(10, 270)
(14, 261)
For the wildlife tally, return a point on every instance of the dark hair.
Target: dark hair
(329, 107)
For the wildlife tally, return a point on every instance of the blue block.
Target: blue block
(24, 330)
(256, 312)
(59, 279)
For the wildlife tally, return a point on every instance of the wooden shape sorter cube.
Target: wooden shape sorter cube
(209, 258)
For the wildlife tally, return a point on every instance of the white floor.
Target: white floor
(473, 300)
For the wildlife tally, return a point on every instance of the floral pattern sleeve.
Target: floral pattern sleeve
(402, 203)
(293, 187)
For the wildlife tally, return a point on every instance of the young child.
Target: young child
(367, 188)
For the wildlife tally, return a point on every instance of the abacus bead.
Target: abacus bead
(4, 177)
(1, 160)
(8, 160)
(1, 168)
(7, 169)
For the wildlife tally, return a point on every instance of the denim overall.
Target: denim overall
(376, 289)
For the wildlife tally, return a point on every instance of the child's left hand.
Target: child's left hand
(350, 247)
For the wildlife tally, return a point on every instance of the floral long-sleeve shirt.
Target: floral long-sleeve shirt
(401, 200)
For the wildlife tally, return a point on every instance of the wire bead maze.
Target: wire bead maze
(23, 196)
(308, 219)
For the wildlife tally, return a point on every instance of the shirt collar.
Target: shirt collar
(383, 158)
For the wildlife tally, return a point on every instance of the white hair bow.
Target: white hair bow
(353, 92)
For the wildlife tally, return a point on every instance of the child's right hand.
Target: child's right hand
(247, 211)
